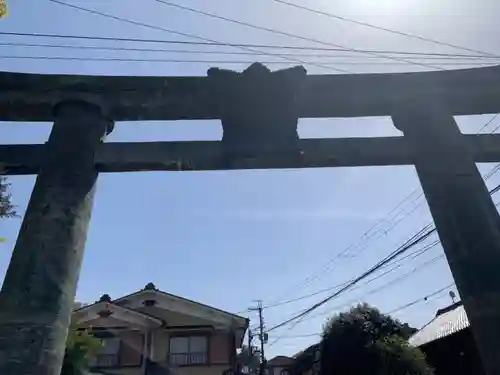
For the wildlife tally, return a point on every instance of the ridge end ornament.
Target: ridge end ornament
(259, 112)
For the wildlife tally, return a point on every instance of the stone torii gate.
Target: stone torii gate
(259, 111)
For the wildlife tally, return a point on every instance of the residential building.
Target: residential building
(448, 343)
(279, 365)
(151, 332)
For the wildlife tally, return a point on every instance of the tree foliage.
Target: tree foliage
(4, 11)
(80, 347)
(7, 209)
(365, 341)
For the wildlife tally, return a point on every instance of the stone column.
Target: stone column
(39, 289)
(465, 216)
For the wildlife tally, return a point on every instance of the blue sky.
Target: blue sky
(229, 238)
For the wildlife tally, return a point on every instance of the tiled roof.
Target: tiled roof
(280, 360)
(447, 321)
(150, 287)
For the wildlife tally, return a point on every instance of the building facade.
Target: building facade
(151, 332)
(279, 365)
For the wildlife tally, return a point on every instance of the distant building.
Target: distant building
(279, 365)
(448, 343)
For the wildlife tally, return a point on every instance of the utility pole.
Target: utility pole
(262, 337)
(250, 361)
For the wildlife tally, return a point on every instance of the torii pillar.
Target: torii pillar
(465, 216)
(38, 292)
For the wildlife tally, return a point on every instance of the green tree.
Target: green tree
(80, 347)
(365, 341)
(7, 209)
(4, 11)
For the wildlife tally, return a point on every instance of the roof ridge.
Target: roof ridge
(449, 308)
(156, 290)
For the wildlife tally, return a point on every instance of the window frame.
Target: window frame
(115, 340)
(105, 334)
(188, 336)
(95, 361)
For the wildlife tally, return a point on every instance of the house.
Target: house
(151, 332)
(279, 365)
(448, 343)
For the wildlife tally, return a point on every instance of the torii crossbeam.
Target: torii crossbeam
(259, 111)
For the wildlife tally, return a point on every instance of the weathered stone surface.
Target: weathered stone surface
(38, 291)
(259, 111)
(30, 97)
(206, 155)
(465, 216)
(29, 348)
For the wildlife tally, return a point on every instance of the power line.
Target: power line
(175, 32)
(197, 61)
(488, 123)
(487, 176)
(423, 299)
(492, 172)
(396, 263)
(288, 330)
(496, 128)
(419, 237)
(220, 44)
(299, 320)
(325, 268)
(329, 263)
(378, 289)
(346, 250)
(388, 284)
(367, 273)
(330, 288)
(209, 52)
(393, 31)
(321, 291)
(391, 225)
(284, 33)
(72, 6)
(374, 291)
(366, 236)
(493, 191)
(395, 310)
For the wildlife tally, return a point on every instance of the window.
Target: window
(188, 350)
(108, 354)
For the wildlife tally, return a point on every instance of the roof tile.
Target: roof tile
(445, 324)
